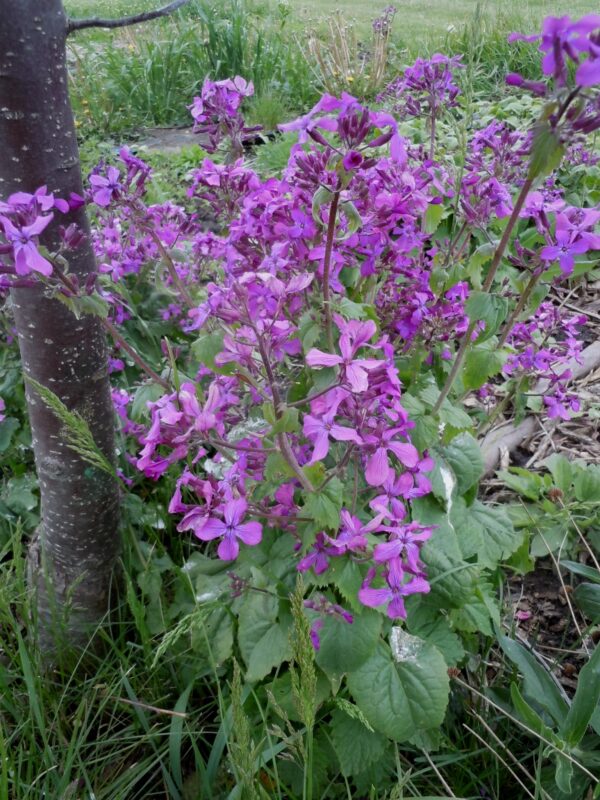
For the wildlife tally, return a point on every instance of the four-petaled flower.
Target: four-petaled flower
(230, 529)
(393, 594)
(23, 240)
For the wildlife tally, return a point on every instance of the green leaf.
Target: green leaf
(212, 637)
(207, 347)
(433, 217)
(591, 573)
(561, 471)
(144, 394)
(355, 746)
(346, 646)
(272, 649)
(7, 429)
(522, 481)
(480, 364)
(424, 619)
(320, 198)
(587, 597)
(449, 574)
(463, 455)
(538, 682)
(353, 219)
(403, 695)
(531, 718)
(489, 308)
(584, 702)
(546, 151)
(92, 304)
(324, 507)
(277, 469)
(587, 484)
(455, 416)
(288, 422)
(262, 641)
(499, 538)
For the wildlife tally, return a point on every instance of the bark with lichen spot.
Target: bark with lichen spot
(73, 553)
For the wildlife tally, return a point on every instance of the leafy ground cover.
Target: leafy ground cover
(489, 687)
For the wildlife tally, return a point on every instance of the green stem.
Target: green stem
(500, 250)
(327, 268)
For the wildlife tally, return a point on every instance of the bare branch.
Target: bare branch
(146, 16)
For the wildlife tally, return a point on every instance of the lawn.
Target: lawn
(415, 18)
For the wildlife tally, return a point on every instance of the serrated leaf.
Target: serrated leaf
(455, 417)
(463, 455)
(261, 647)
(424, 620)
(401, 697)
(355, 746)
(346, 646)
(489, 308)
(480, 365)
(324, 507)
(450, 575)
(207, 347)
(272, 649)
(433, 217)
(499, 538)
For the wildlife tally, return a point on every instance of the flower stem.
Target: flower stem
(327, 268)
(500, 250)
(133, 354)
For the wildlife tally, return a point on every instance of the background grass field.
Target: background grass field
(415, 18)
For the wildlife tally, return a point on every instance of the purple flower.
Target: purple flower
(230, 530)
(105, 187)
(564, 251)
(405, 541)
(353, 534)
(393, 594)
(354, 370)
(352, 160)
(2, 408)
(317, 557)
(319, 430)
(23, 240)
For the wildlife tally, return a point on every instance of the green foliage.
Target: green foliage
(76, 431)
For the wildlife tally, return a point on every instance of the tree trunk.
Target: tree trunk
(73, 553)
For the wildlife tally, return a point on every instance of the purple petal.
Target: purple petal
(228, 549)
(342, 434)
(357, 378)
(234, 511)
(406, 453)
(377, 467)
(374, 597)
(321, 448)
(317, 358)
(386, 551)
(212, 529)
(250, 532)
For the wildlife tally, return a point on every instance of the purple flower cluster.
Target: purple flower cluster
(217, 114)
(317, 288)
